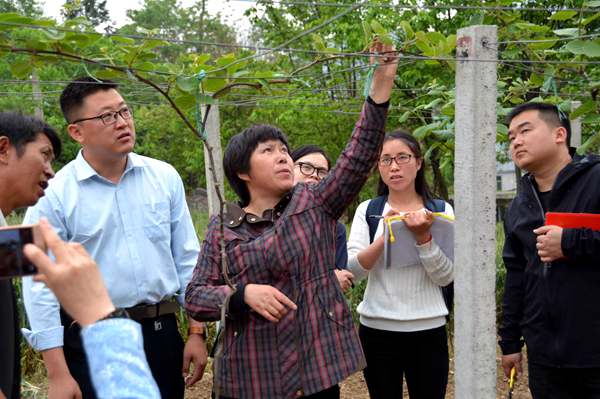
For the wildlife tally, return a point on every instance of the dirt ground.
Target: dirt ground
(355, 387)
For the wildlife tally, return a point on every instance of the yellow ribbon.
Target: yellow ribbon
(398, 218)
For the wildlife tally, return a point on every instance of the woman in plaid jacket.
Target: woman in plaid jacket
(288, 332)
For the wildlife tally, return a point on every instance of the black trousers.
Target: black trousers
(164, 350)
(329, 393)
(10, 342)
(563, 383)
(420, 356)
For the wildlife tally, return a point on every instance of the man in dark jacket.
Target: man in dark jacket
(552, 286)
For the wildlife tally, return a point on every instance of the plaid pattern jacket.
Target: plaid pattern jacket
(292, 248)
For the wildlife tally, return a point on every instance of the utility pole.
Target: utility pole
(213, 133)
(475, 205)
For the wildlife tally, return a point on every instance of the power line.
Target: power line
(268, 50)
(423, 6)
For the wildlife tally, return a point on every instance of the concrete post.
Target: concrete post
(475, 207)
(575, 126)
(37, 95)
(214, 140)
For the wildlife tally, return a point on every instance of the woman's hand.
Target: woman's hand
(419, 223)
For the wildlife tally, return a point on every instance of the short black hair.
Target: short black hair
(71, 99)
(549, 113)
(23, 129)
(238, 152)
(309, 149)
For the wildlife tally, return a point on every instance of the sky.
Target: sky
(232, 12)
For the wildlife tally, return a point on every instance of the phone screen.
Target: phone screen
(13, 262)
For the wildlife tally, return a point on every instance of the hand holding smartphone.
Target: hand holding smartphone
(13, 262)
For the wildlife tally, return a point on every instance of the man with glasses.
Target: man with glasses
(130, 214)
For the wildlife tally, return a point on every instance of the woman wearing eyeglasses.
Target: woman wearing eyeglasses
(311, 165)
(403, 312)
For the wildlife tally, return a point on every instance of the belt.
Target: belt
(144, 311)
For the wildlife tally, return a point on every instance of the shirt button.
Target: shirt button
(299, 393)
(330, 314)
(235, 333)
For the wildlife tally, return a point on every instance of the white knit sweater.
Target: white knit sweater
(405, 298)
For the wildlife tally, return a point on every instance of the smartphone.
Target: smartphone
(13, 262)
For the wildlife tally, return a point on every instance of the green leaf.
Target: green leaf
(451, 43)
(225, 60)
(585, 108)
(108, 74)
(385, 39)
(535, 79)
(590, 143)
(408, 31)
(501, 129)
(576, 47)
(185, 101)
(592, 49)
(21, 69)
(377, 28)
(318, 42)
(124, 40)
(430, 150)
(404, 117)
(186, 83)
(545, 45)
(434, 103)
(566, 32)
(436, 37)
(368, 32)
(592, 4)
(592, 119)
(563, 15)
(53, 34)
(421, 132)
(589, 20)
(153, 43)
(212, 85)
(201, 59)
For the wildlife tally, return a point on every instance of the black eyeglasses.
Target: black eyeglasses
(108, 118)
(307, 170)
(399, 159)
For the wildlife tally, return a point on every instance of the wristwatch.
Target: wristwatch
(201, 331)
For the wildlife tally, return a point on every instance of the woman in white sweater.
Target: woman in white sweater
(403, 312)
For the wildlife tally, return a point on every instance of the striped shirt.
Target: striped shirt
(292, 248)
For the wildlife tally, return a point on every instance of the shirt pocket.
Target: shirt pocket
(157, 220)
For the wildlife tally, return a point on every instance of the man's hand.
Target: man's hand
(510, 361)
(549, 243)
(419, 223)
(345, 278)
(194, 352)
(74, 278)
(63, 386)
(383, 77)
(268, 301)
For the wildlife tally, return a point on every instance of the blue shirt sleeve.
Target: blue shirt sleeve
(341, 251)
(118, 366)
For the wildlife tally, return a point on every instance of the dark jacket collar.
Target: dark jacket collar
(235, 215)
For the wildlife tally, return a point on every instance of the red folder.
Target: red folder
(573, 220)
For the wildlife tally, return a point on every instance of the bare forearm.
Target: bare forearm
(55, 362)
(369, 256)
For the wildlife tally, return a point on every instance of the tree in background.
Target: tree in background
(94, 10)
